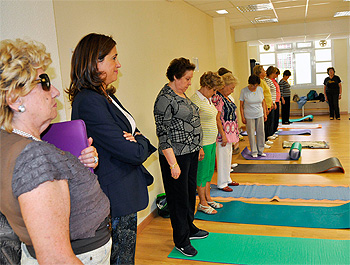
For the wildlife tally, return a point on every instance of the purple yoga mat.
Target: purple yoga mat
(290, 132)
(269, 156)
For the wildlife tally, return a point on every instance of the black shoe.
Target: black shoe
(200, 234)
(188, 251)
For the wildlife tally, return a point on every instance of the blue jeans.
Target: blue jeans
(124, 230)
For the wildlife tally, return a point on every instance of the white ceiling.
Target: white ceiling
(286, 11)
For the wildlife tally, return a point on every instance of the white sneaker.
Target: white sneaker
(263, 155)
(275, 135)
(234, 165)
(267, 146)
(255, 155)
(271, 137)
(268, 142)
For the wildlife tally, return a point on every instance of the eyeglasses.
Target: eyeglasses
(44, 79)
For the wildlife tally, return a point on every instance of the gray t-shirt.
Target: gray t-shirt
(252, 102)
(40, 162)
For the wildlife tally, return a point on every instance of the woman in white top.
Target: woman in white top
(210, 82)
(253, 114)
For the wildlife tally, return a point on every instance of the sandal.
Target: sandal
(215, 205)
(233, 183)
(205, 209)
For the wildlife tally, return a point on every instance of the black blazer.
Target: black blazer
(120, 172)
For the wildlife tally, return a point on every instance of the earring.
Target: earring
(21, 108)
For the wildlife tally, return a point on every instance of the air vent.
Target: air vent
(252, 8)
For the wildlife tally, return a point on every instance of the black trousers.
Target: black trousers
(268, 125)
(276, 117)
(181, 196)
(286, 110)
(333, 102)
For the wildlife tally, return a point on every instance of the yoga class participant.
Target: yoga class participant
(332, 91)
(228, 131)
(209, 84)
(252, 108)
(180, 137)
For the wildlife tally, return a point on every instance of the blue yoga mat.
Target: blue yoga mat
(336, 217)
(289, 132)
(284, 192)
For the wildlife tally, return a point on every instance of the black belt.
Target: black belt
(81, 246)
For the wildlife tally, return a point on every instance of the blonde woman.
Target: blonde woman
(228, 131)
(210, 82)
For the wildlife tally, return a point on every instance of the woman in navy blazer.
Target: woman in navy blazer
(121, 147)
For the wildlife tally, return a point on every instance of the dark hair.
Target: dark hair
(277, 71)
(178, 68)
(271, 70)
(253, 80)
(287, 73)
(329, 68)
(223, 71)
(90, 50)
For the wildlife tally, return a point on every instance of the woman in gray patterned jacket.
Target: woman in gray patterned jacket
(180, 137)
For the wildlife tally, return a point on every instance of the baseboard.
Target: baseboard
(147, 220)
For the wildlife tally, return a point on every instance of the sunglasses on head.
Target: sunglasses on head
(45, 82)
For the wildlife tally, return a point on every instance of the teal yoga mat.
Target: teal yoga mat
(336, 217)
(251, 249)
(305, 118)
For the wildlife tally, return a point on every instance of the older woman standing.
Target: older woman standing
(210, 83)
(228, 131)
(285, 93)
(51, 200)
(121, 146)
(253, 114)
(271, 74)
(259, 71)
(180, 137)
(332, 91)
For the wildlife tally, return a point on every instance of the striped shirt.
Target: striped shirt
(207, 114)
(272, 88)
(285, 88)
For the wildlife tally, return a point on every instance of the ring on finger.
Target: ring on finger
(95, 159)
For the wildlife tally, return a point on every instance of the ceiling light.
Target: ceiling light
(265, 20)
(221, 12)
(258, 7)
(342, 14)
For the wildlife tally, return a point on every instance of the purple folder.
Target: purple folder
(68, 136)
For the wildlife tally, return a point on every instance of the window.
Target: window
(307, 61)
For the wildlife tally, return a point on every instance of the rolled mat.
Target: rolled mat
(269, 156)
(329, 164)
(295, 151)
(300, 126)
(252, 249)
(295, 132)
(285, 193)
(305, 118)
(335, 217)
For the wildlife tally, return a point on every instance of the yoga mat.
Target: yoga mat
(328, 164)
(305, 118)
(252, 249)
(290, 132)
(299, 126)
(295, 132)
(335, 217)
(286, 193)
(307, 144)
(269, 156)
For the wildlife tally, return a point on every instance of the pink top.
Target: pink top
(278, 91)
(228, 118)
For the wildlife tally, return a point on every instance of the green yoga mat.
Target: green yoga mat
(306, 118)
(248, 249)
(336, 217)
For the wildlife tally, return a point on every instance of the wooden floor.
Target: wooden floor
(154, 243)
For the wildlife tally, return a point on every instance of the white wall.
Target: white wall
(34, 20)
